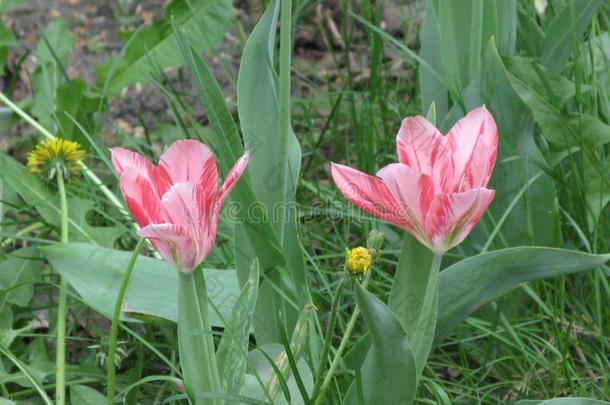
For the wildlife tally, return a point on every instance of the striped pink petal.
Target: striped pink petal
(232, 177)
(123, 159)
(452, 216)
(174, 244)
(368, 193)
(413, 191)
(478, 126)
(419, 144)
(188, 161)
(141, 197)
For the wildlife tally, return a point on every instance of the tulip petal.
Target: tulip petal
(413, 191)
(174, 244)
(368, 193)
(419, 144)
(232, 177)
(141, 197)
(188, 161)
(452, 216)
(123, 159)
(478, 126)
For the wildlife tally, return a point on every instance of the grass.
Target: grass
(546, 339)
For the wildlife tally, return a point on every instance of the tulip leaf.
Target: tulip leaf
(233, 348)
(525, 209)
(258, 108)
(227, 146)
(96, 273)
(563, 401)
(414, 297)
(558, 40)
(471, 283)
(152, 48)
(444, 44)
(388, 373)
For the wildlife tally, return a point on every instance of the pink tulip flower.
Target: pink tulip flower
(437, 191)
(177, 203)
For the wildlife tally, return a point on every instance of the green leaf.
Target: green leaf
(147, 50)
(414, 297)
(59, 38)
(81, 394)
(564, 131)
(455, 53)
(96, 273)
(36, 194)
(471, 283)
(228, 148)
(18, 272)
(558, 35)
(258, 108)
(233, 348)
(563, 401)
(389, 372)
(530, 210)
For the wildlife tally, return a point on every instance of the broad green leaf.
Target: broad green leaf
(414, 298)
(563, 401)
(18, 272)
(147, 50)
(258, 107)
(558, 35)
(455, 53)
(96, 273)
(388, 373)
(83, 395)
(565, 132)
(227, 145)
(36, 194)
(233, 348)
(522, 191)
(471, 283)
(432, 89)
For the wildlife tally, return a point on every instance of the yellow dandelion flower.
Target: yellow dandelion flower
(358, 260)
(56, 157)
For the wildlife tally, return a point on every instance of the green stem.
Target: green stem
(112, 344)
(196, 342)
(342, 345)
(284, 113)
(62, 305)
(329, 337)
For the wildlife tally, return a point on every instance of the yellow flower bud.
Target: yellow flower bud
(358, 260)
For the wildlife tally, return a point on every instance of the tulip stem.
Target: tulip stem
(342, 345)
(195, 341)
(112, 343)
(284, 113)
(62, 305)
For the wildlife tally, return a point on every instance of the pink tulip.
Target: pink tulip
(437, 191)
(177, 203)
